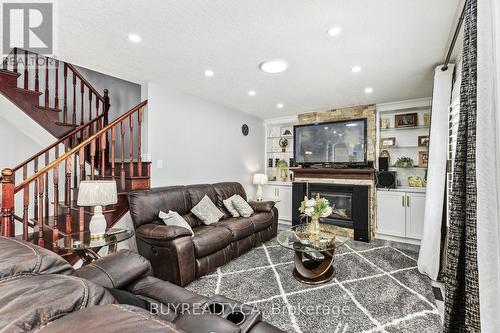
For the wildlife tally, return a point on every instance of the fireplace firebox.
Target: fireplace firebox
(350, 205)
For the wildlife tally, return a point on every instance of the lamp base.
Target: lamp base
(259, 193)
(97, 226)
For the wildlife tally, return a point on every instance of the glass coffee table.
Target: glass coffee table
(87, 248)
(314, 254)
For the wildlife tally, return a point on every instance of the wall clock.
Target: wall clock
(245, 130)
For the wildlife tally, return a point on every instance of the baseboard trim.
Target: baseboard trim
(397, 239)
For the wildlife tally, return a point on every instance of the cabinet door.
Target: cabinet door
(391, 213)
(269, 192)
(415, 209)
(285, 204)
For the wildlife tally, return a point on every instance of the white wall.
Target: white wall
(200, 141)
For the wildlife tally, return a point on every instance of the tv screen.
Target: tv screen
(339, 142)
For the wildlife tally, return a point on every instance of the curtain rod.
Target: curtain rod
(454, 39)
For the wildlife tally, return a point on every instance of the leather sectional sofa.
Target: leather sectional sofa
(174, 254)
(41, 292)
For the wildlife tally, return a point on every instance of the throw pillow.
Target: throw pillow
(207, 211)
(242, 206)
(173, 218)
(228, 203)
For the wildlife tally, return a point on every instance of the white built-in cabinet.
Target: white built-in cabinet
(400, 214)
(281, 193)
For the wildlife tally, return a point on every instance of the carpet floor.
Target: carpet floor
(377, 288)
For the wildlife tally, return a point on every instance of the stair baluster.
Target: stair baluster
(56, 95)
(26, 76)
(65, 102)
(15, 60)
(122, 167)
(131, 145)
(40, 207)
(37, 74)
(35, 192)
(74, 99)
(82, 91)
(46, 206)
(26, 203)
(47, 82)
(139, 157)
(7, 212)
(55, 177)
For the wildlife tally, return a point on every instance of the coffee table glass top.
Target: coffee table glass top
(82, 240)
(298, 238)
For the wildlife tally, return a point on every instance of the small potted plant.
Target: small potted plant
(282, 165)
(315, 208)
(404, 162)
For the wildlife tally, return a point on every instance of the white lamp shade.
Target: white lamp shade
(260, 179)
(97, 193)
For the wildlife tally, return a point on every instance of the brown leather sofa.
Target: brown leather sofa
(174, 254)
(41, 292)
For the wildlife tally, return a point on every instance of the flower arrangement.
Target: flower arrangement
(315, 209)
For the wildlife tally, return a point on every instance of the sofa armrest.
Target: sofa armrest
(161, 232)
(262, 206)
(117, 270)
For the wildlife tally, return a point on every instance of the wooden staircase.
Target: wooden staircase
(39, 195)
(52, 92)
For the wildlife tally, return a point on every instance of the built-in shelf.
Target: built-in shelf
(288, 137)
(280, 152)
(412, 167)
(396, 147)
(405, 128)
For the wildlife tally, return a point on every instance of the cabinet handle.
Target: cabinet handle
(403, 201)
(407, 201)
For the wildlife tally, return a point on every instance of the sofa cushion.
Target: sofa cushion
(240, 227)
(242, 206)
(226, 190)
(228, 204)
(20, 257)
(210, 239)
(207, 211)
(174, 219)
(261, 220)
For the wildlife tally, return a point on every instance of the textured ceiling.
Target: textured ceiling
(397, 43)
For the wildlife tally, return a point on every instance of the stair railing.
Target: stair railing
(63, 88)
(72, 167)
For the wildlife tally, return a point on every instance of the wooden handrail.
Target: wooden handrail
(73, 150)
(85, 82)
(58, 142)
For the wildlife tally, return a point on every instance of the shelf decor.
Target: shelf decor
(406, 120)
(404, 162)
(388, 142)
(423, 158)
(423, 141)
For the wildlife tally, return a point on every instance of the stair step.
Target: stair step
(28, 91)
(48, 108)
(11, 73)
(66, 124)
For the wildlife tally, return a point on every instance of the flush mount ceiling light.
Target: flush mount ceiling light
(351, 124)
(134, 38)
(368, 90)
(280, 105)
(251, 93)
(335, 31)
(274, 66)
(209, 73)
(356, 69)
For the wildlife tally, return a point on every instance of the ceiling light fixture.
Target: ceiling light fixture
(134, 38)
(368, 90)
(280, 105)
(274, 66)
(209, 73)
(334, 31)
(356, 69)
(251, 93)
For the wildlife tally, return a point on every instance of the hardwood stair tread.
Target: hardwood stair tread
(48, 108)
(66, 124)
(28, 91)
(11, 73)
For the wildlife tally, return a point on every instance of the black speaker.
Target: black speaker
(386, 179)
(383, 164)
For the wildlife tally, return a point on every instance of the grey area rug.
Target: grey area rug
(377, 288)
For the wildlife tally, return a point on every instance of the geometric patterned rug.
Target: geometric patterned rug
(377, 288)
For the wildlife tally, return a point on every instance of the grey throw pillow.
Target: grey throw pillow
(228, 203)
(242, 206)
(173, 218)
(207, 211)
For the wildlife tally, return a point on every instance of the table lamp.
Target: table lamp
(97, 193)
(259, 179)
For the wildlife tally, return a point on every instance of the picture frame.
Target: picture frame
(385, 123)
(423, 159)
(406, 120)
(388, 142)
(423, 141)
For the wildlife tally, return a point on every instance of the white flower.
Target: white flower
(310, 203)
(308, 211)
(326, 212)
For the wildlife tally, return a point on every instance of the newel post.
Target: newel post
(7, 214)
(106, 120)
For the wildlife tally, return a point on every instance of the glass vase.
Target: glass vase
(314, 227)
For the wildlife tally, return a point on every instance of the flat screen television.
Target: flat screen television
(331, 143)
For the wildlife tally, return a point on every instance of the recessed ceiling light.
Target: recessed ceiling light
(251, 92)
(369, 90)
(356, 69)
(134, 38)
(209, 73)
(334, 31)
(280, 105)
(274, 66)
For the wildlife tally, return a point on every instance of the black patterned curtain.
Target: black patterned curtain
(462, 285)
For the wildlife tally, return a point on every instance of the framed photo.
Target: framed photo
(406, 120)
(388, 142)
(423, 141)
(423, 158)
(385, 123)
